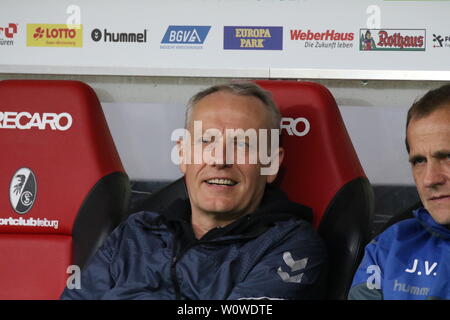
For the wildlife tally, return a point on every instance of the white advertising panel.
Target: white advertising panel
(348, 39)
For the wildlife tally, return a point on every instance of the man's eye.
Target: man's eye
(417, 161)
(205, 140)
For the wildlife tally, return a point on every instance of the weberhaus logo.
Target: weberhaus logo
(185, 37)
(329, 39)
(253, 38)
(105, 35)
(392, 39)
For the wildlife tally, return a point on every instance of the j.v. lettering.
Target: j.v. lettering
(427, 266)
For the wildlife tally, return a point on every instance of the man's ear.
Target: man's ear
(277, 158)
(182, 155)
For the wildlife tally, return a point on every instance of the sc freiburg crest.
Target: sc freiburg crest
(22, 190)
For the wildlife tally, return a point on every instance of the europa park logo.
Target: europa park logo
(253, 38)
(54, 35)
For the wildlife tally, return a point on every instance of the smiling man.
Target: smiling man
(236, 237)
(225, 189)
(411, 259)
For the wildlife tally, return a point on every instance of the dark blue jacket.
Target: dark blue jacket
(272, 253)
(408, 261)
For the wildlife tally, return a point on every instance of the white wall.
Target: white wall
(143, 111)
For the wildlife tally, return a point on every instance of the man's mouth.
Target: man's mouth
(221, 182)
(440, 197)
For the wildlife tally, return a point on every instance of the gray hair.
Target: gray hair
(249, 89)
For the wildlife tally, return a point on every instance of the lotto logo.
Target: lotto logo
(54, 35)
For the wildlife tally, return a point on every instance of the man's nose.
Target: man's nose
(220, 158)
(434, 176)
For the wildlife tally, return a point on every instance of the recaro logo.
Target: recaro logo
(25, 120)
(291, 126)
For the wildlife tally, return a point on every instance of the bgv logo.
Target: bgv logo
(186, 34)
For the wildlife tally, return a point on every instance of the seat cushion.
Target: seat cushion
(39, 274)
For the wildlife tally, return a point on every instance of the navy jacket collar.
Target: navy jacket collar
(274, 207)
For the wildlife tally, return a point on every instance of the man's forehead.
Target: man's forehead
(435, 122)
(430, 132)
(220, 99)
(231, 111)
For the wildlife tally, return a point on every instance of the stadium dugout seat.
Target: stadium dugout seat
(400, 216)
(63, 187)
(321, 170)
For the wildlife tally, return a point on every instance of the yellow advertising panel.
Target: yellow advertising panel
(54, 35)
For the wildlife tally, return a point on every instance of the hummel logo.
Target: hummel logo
(295, 265)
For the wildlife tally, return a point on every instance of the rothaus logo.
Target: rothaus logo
(186, 35)
(22, 190)
(392, 39)
(42, 121)
(98, 35)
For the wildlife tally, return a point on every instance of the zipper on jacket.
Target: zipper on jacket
(173, 265)
(173, 273)
(176, 257)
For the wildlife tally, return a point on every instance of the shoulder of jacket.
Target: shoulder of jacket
(398, 232)
(141, 218)
(300, 232)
